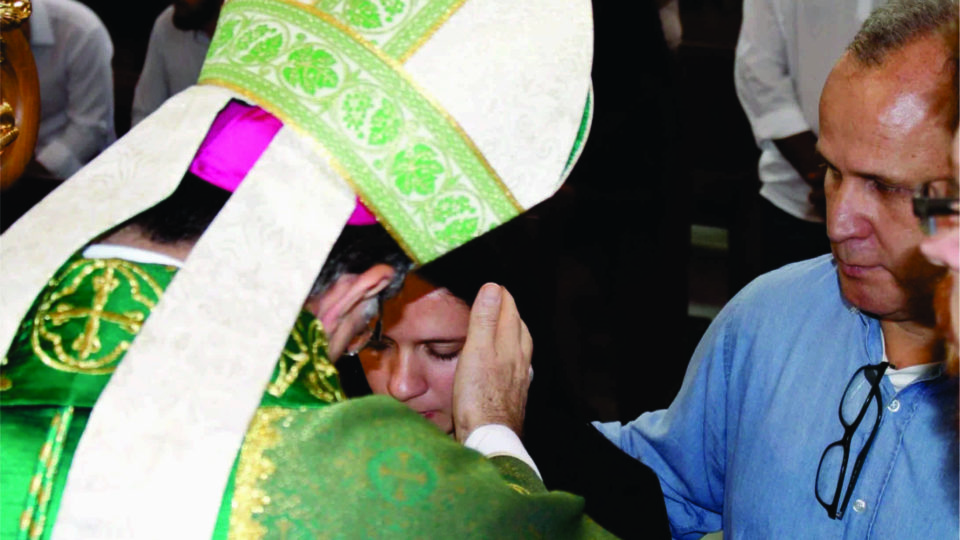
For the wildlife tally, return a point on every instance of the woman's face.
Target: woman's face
(424, 329)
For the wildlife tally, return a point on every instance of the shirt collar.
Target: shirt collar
(41, 29)
(918, 373)
(127, 253)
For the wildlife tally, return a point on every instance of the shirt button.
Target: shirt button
(894, 405)
(859, 505)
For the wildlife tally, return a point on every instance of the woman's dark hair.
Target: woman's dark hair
(482, 260)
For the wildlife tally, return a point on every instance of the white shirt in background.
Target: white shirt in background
(670, 21)
(173, 62)
(73, 51)
(785, 51)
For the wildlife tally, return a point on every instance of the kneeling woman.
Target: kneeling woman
(423, 331)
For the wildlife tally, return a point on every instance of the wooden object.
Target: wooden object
(20, 93)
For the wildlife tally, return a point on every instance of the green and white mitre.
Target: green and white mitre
(445, 117)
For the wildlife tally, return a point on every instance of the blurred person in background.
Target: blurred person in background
(178, 44)
(73, 52)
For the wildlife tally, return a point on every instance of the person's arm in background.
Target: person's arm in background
(801, 151)
(152, 86)
(89, 127)
(670, 20)
(766, 91)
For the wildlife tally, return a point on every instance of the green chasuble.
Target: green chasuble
(312, 464)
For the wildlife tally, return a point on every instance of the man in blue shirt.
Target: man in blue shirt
(815, 405)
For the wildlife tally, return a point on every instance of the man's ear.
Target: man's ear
(349, 292)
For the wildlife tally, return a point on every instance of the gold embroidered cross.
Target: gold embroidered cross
(88, 341)
(80, 350)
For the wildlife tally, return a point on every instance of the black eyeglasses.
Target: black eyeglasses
(377, 334)
(862, 390)
(369, 334)
(933, 200)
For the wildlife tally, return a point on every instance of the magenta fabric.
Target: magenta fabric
(236, 140)
(361, 215)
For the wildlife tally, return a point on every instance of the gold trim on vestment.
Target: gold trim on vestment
(253, 467)
(33, 519)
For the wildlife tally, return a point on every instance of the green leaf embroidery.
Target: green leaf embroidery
(265, 50)
(250, 36)
(363, 14)
(223, 36)
(311, 69)
(417, 171)
(385, 123)
(459, 231)
(449, 207)
(392, 7)
(355, 107)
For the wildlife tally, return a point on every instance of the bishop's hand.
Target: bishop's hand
(493, 373)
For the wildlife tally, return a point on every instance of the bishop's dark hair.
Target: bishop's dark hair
(189, 210)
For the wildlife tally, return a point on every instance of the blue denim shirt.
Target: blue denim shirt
(739, 447)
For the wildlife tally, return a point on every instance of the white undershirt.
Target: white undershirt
(498, 440)
(127, 253)
(902, 378)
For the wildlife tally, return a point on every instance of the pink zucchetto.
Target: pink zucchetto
(236, 140)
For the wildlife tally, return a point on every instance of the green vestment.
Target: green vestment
(312, 464)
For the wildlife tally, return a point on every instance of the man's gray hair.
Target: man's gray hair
(898, 23)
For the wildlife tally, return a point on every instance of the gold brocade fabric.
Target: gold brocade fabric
(304, 361)
(249, 499)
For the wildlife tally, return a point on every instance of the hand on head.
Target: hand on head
(493, 375)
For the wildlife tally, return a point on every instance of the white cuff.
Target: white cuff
(780, 123)
(57, 158)
(498, 440)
